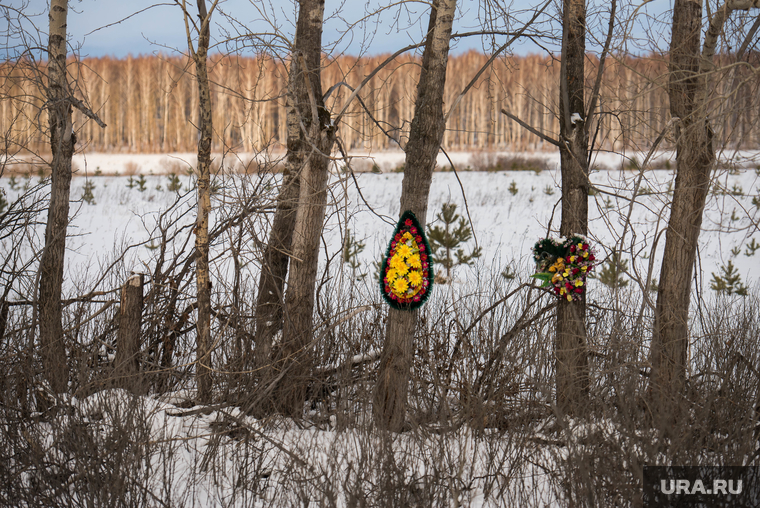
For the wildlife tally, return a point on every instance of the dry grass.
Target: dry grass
(493, 161)
(131, 168)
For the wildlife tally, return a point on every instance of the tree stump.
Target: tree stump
(127, 362)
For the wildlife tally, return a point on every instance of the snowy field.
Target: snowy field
(509, 210)
(188, 461)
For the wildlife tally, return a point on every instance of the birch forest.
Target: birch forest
(150, 103)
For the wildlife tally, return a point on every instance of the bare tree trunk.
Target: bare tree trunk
(425, 136)
(310, 146)
(274, 266)
(695, 158)
(127, 364)
(203, 281)
(572, 370)
(62, 142)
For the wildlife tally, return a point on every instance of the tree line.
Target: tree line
(150, 103)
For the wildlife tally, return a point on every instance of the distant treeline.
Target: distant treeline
(150, 103)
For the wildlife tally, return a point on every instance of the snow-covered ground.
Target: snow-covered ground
(509, 210)
(198, 456)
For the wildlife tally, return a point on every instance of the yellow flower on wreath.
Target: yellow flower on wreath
(400, 286)
(404, 251)
(415, 278)
(414, 261)
(398, 264)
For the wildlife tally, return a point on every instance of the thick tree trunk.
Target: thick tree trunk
(694, 160)
(310, 141)
(572, 370)
(203, 281)
(274, 266)
(425, 136)
(62, 142)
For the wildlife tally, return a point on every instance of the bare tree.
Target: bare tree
(276, 259)
(571, 360)
(203, 281)
(689, 91)
(62, 141)
(425, 136)
(311, 136)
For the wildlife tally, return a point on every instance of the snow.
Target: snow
(257, 463)
(505, 225)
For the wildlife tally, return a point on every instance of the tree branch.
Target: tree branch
(81, 106)
(598, 83)
(716, 28)
(531, 129)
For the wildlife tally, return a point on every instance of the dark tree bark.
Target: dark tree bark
(62, 142)
(310, 140)
(425, 136)
(688, 89)
(274, 266)
(572, 370)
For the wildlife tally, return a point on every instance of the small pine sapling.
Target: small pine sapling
(751, 248)
(513, 188)
(131, 183)
(508, 273)
(87, 195)
(446, 241)
(141, 183)
(730, 282)
(351, 250)
(174, 184)
(613, 271)
(13, 183)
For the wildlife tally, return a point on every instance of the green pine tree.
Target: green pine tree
(446, 240)
(730, 282)
(751, 248)
(612, 272)
(87, 195)
(351, 249)
(174, 184)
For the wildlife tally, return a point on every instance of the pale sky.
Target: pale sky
(162, 24)
(153, 26)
